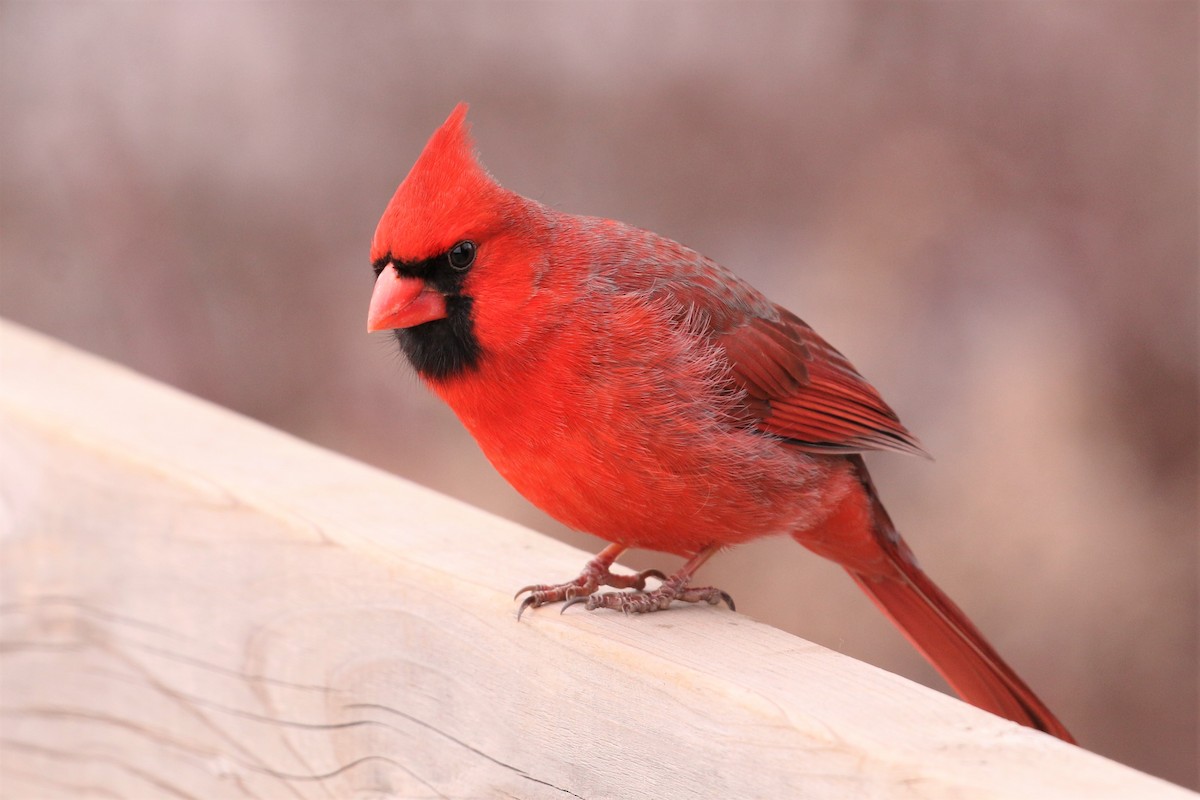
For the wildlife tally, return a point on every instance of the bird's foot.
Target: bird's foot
(594, 575)
(643, 602)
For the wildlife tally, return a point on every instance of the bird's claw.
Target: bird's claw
(541, 595)
(594, 576)
(526, 603)
(659, 599)
(634, 602)
(574, 601)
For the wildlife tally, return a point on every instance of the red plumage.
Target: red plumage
(636, 390)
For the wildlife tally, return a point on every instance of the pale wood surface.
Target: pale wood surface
(195, 605)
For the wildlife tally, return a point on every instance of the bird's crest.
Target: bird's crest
(446, 196)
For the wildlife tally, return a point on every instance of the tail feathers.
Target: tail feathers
(939, 629)
(952, 644)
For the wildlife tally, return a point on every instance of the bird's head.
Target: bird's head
(449, 235)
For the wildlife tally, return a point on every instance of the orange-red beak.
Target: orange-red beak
(402, 302)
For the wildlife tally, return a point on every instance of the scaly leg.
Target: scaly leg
(673, 588)
(595, 574)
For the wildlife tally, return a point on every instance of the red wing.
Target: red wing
(799, 387)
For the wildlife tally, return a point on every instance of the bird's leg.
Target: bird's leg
(595, 574)
(673, 588)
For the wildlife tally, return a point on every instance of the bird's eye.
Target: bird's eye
(462, 255)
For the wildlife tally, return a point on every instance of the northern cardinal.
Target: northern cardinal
(636, 390)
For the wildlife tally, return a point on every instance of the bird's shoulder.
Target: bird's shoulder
(638, 263)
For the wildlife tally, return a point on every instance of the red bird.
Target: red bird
(636, 390)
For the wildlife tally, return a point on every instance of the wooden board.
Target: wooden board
(195, 605)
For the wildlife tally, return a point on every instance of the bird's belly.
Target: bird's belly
(674, 486)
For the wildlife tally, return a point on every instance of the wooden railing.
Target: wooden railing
(195, 605)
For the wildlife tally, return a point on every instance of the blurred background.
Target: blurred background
(990, 207)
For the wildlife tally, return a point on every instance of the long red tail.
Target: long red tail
(934, 624)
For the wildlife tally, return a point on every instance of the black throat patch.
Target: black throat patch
(442, 348)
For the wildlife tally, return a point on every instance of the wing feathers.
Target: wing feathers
(792, 383)
(800, 388)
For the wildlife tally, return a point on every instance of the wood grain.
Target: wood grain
(195, 605)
